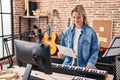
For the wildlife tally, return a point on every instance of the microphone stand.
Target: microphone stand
(8, 52)
(40, 34)
(5, 44)
(12, 37)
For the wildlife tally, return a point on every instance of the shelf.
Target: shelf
(34, 17)
(28, 18)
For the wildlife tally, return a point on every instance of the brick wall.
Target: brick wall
(95, 9)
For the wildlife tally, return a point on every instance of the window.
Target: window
(6, 27)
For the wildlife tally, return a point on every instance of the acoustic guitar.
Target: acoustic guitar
(50, 40)
(50, 36)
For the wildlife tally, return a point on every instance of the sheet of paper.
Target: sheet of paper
(66, 51)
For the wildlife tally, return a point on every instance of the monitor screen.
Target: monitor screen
(36, 54)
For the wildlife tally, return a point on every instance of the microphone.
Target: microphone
(38, 33)
(36, 30)
(35, 27)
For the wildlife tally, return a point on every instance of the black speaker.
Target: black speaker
(32, 6)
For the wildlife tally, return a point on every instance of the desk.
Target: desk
(20, 71)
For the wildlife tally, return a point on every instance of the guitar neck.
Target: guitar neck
(52, 21)
(50, 26)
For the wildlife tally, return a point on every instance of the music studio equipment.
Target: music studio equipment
(80, 71)
(38, 33)
(105, 63)
(32, 6)
(117, 60)
(7, 38)
(29, 7)
(50, 36)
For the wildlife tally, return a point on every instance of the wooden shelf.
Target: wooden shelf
(29, 25)
(34, 17)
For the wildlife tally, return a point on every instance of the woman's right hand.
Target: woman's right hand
(60, 55)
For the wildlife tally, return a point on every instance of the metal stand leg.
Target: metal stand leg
(8, 54)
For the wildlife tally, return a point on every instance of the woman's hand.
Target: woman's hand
(88, 67)
(60, 55)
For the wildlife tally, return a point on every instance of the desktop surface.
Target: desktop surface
(42, 76)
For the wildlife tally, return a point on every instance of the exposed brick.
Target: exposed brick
(95, 9)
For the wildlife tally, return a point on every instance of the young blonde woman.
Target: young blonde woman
(82, 39)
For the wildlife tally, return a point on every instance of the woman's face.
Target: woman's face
(77, 19)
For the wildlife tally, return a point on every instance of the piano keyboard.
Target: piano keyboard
(80, 71)
(82, 78)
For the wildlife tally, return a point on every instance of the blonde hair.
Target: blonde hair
(81, 10)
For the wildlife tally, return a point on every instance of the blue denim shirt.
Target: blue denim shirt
(87, 46)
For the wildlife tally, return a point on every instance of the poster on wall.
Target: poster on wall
(103, 29)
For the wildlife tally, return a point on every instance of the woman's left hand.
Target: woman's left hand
(88, 67)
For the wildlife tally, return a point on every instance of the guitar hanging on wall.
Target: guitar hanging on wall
(50, 37)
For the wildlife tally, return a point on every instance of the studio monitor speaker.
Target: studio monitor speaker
(32, 6)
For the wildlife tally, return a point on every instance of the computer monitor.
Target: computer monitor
(34, 55)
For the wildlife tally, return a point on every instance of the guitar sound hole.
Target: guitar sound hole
(49, 38)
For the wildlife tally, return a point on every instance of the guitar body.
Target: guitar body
(50, 37)
(50, 40)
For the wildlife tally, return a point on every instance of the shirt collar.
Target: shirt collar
(82, 29)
